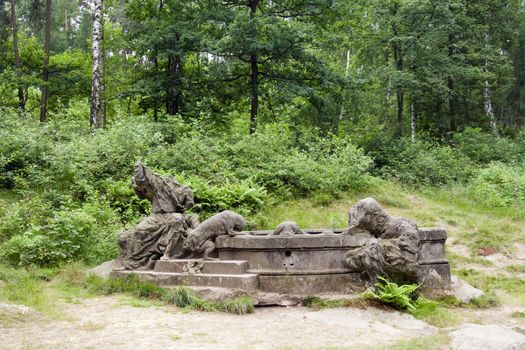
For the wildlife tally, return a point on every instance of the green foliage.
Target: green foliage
(86, 234)
(423, 163)
(318, 303)
(180, 296)
(485, 148)
(240, 305)
(498, 185)
(390, 293)
(244, 197)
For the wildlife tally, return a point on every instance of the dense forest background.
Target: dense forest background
(251, 103)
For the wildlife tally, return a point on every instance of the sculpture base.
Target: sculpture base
(303, 264)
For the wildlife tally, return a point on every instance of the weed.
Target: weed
(393, 294)
(240, 305)
(433, 342)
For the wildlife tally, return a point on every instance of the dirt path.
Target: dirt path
(105, 323)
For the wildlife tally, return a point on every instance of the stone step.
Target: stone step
(247, 281)
(228, 267)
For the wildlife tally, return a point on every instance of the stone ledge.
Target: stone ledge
(246, 281)
(229, 267)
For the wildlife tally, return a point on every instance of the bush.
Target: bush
(485, 148)
(390, 293)
(498, 185)
(86, 234)
(423, 163)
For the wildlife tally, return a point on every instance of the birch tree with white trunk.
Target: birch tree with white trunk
(97, 89)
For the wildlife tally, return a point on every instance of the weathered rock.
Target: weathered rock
(287, 228)
(275, 299)
(486, 337)
(12, 309)
(463, 291)
(215, 294)
(200, 239)
(393, 251)
(164, 231)
(103, 270)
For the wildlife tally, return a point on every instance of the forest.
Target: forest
(253, 104)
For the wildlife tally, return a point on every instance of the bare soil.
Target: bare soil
(105, 323)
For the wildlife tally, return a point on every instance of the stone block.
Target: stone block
(248, 282)
(311, 284)
(228, 267)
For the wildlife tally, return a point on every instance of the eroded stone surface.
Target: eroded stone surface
(463, 291)
(486, 337)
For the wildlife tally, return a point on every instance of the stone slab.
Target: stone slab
(463, 291)
(306, 241)
(229, 267)
(486, 337)
(435, 278)
(432, 234)
(311, 284)
(290, 261)
(248, 282)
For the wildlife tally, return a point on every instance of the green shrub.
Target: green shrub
(86, 234)
(423, 163)
(244, 196)
(390, 293)
(484, 148)
(498, 185)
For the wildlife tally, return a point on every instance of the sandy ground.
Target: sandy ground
(105, 323)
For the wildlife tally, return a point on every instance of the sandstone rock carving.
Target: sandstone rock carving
(200, 239)
(164, 231)
(287, 228)
(392, 252)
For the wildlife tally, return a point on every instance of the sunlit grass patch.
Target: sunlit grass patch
(514, 286)
(26, 287)
(433, 342)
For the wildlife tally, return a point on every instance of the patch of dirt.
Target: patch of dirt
(104, 323)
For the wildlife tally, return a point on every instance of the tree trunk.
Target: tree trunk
(487, 96)
(96, 70)
(102, 115)
(346, 76)
(413, 120)
(452, 105)
(21, 98)
(254, 93)
(489, 110)
(173, 93)
(254, 78)
(400, 103)
(45, 75)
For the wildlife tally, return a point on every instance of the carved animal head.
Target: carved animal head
(192, 242)
(365, 214)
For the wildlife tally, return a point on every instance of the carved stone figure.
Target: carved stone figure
(164, 231)
(287, 228)
(200, 239)
(392, 251)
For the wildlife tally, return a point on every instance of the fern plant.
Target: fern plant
(393, 294)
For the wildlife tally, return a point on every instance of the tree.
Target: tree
(97, 110)
(45, 74)
(21, 98)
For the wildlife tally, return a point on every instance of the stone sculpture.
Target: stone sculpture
(164, 231)
(392, 251)
(287, 228)
(200, 239)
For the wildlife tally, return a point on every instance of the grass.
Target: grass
(26, 287)
(513, 286)
(434, 342)
(318, 303)
(40, 289)
(516, 268)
